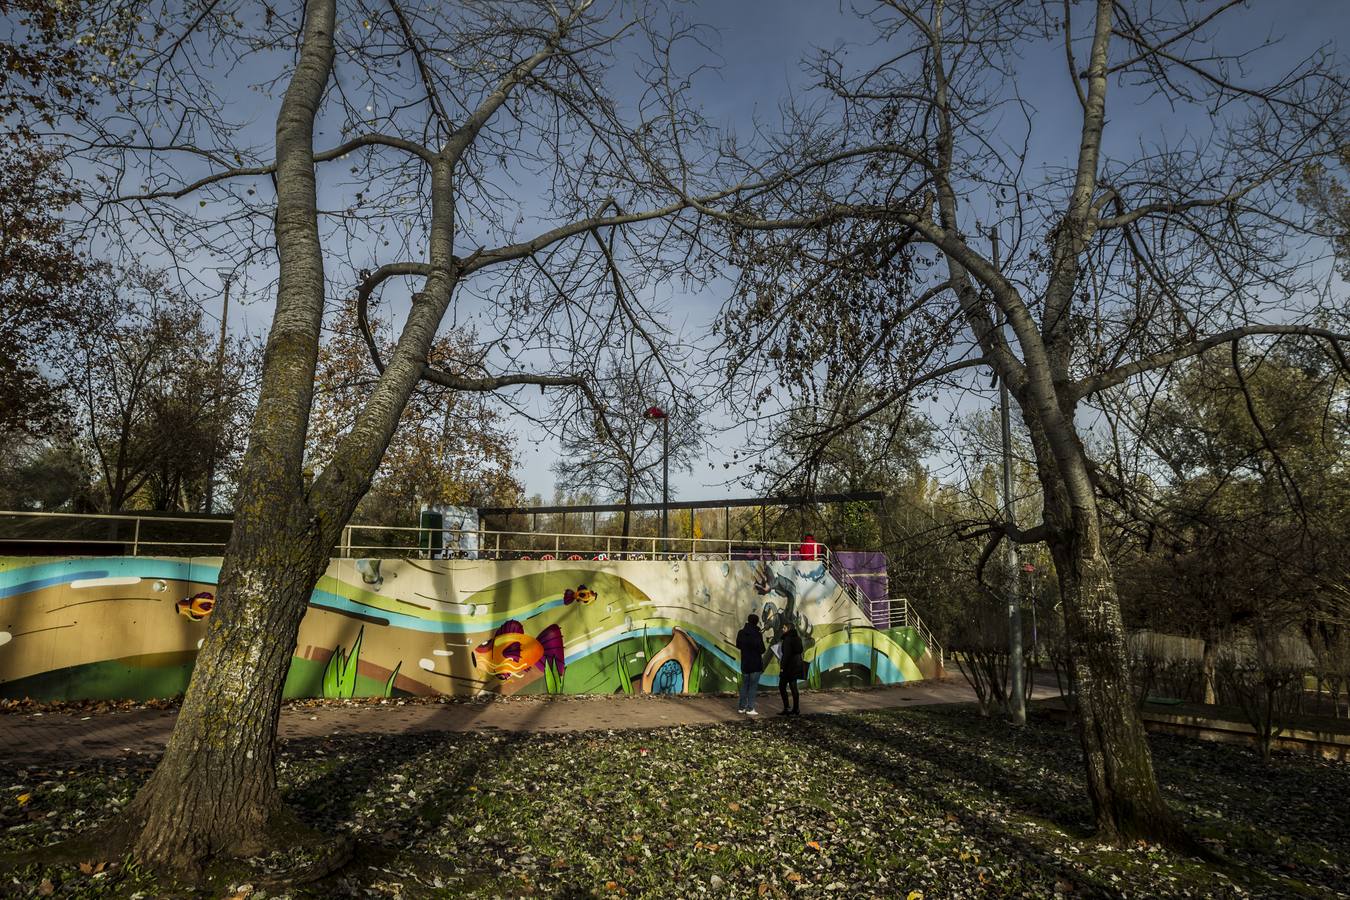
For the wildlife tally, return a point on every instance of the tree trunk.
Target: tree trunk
(215, 790)
(1126, 802)
(627, 526)
(1208, 659)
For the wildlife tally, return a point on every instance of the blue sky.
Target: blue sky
(760, 45)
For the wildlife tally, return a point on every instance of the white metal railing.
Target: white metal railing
(137, 540)
(555, 545)
(898, 612)
(142, 535)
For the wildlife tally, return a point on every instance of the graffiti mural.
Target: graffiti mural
(130, 627)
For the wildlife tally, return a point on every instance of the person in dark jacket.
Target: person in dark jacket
(751, 644)
(791, 668)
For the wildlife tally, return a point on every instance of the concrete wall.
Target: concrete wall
(130, 627)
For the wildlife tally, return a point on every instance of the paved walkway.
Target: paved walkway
(72, 736)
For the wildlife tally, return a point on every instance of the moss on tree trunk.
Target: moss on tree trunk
(215, 790)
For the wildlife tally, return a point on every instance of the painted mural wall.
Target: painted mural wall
(130, 627)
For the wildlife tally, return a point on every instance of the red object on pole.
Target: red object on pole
(657, 414)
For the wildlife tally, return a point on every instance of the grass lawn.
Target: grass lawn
(933, 802)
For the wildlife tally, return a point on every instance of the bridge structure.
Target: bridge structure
(116, 606)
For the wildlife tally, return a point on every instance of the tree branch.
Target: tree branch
(1119, 221)
(365, 140)
(1092, 384)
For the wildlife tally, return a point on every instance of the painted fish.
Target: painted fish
(510, 653)
(196, 607)
(582, 594)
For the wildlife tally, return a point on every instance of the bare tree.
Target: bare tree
(498, 159)
(879, 267)
(149, 405)
(618, 455)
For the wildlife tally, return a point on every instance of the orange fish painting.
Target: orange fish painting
(510, 653)
(196, 607)
(582, 594)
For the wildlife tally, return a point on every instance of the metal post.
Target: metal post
(1017, 707)
(136, 538)
(665, 477)
(1035, 634)
(220, 388)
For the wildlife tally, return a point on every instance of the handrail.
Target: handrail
(640, 547)
(149, 516)
(418, 539)
(898, 612)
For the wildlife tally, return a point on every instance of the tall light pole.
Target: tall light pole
(220, 387)
(1017, 706)
(657, 413)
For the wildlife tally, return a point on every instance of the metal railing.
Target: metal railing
(130, 533)
(139, 534)
(169, 535)
(551, 545)
(898, 612)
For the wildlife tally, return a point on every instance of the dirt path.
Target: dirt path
(54, 736)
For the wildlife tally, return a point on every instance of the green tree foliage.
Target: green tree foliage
(45, 71)
(450, 448)
(151, 407)
(1325, 195)
(1251, 484)
(51, 475)
(38, 268)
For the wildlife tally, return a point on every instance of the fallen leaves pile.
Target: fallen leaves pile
(29, 706)
(918, 803)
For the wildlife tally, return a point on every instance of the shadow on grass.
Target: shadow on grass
(958, 763)
(443, 768)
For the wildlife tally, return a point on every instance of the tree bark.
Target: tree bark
(215, 791)
(627, 523)
(1208, 658)
(1127, 804)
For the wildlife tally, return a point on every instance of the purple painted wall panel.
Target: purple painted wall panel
(868, 568)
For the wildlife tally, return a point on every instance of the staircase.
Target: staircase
(892, 612)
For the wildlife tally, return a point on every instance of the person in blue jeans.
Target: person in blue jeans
(751, 644)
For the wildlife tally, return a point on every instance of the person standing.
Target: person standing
(810, 548)
(791, 668)
(751, 644)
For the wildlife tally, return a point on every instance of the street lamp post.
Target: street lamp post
(657, 413)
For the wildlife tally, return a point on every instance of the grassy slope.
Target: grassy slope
(881, 804)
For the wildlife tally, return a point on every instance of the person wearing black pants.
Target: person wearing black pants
(790, 669)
